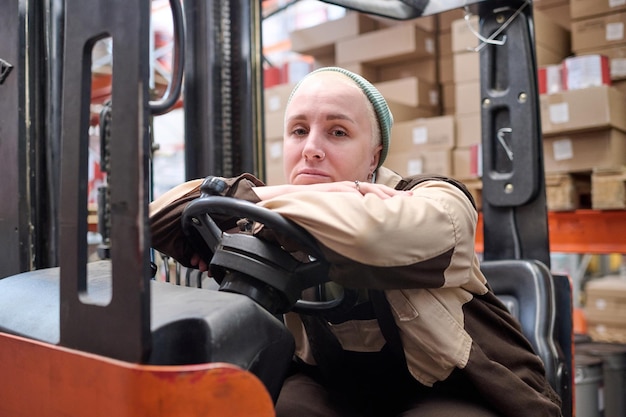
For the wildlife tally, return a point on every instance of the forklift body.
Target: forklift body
(103, 338)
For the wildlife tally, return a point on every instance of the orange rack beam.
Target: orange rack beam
(580, 231)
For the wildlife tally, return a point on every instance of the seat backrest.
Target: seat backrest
(527, 288)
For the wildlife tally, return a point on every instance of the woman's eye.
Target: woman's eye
(339, 132)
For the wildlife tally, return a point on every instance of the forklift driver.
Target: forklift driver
(427, 336)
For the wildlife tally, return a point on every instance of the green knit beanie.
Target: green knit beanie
(383, 114)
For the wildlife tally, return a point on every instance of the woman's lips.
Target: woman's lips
(312, 175)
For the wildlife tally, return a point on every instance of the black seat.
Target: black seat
(527, 288)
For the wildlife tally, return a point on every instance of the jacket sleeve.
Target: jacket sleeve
(166, 211)
(425, 240)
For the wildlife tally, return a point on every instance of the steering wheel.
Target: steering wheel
(262, 270)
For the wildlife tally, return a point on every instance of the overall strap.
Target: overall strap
(409, 182)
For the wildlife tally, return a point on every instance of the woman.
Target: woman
(458, 352)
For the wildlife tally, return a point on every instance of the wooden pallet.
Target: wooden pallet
(608, 188)
(568, 191)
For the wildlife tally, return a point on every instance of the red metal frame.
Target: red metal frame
(581, 231)
(39, 379)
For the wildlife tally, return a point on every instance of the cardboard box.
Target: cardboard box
(410, 91)
(558, 13)
(402, 112)
(552, 42)
(367, 71)
(320, 39)
(274, 124)
(549, 78)
(546, 56)
(274, 173)
(431, 131)
(617, 60)
(467, 97)
(468, 129)
(586, 8)
(427, 23)
(585, 71)
(446, 18)
(444, 43)
(591, 108)
(467, 162)
(393, 44)
(275, 98)
(543, 4)
(598, 32)
(424, 69)
(320, 61)
(448, 100)
(463, 39)
(584, 151)
(550, 36)
(608, 189)
(466, 66)
(420, 161)
(605, 308)
(446, 69)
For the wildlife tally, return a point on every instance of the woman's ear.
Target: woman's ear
(376, 152)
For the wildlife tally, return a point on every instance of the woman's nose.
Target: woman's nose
(312, 149)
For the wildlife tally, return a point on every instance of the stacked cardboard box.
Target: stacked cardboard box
(397, 57)
(275, 101)
(598, 28)
(584, 129)
(552, 44)
(605, 309)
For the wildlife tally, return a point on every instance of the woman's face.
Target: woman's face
(328, 132)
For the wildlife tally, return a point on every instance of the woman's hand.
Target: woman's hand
(199, 263)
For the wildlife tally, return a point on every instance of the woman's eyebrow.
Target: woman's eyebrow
(297, 117)
(339, 116)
